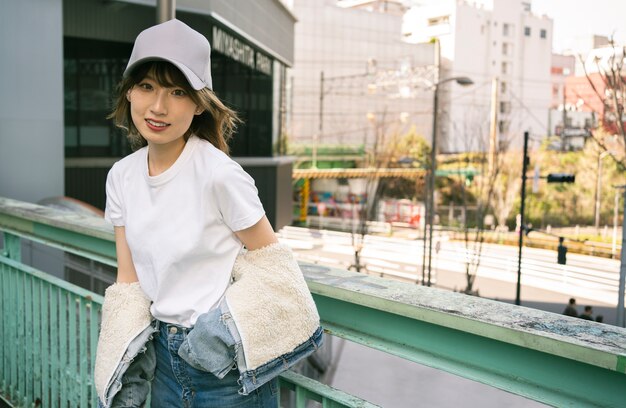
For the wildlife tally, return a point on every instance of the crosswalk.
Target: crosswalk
(583, 276)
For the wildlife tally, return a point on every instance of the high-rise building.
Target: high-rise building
(483, 40)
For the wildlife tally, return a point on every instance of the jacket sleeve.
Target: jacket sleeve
(271, 304)
(125, 315)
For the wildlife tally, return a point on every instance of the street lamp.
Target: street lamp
(464, 81)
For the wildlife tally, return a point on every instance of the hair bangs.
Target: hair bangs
(164, 73)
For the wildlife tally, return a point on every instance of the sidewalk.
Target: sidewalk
(393, 382)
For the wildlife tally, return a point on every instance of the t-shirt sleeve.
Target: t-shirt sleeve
(237, 197)
(113, 211)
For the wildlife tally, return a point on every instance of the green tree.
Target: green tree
(408, 149)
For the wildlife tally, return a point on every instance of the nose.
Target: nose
(159, 104)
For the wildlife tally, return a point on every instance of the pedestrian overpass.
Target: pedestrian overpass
(50, 328)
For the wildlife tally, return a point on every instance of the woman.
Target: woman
(181, 210)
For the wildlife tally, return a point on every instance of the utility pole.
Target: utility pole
(320, 129)
(598, 195)
(615, 216)
(321, 124)
(493, 127)
(522, 225)
(621, 320)
(430, 202)
(564, 121)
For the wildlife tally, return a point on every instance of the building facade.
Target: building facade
(562, 67)
(374, 85)
(67, 60)
(569, 125)
(484, 40)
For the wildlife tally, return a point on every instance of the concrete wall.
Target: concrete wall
(31, 100)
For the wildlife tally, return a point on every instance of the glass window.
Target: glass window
(92, 70)
(527, 31)
(505, 107)
(438, 20)
(503, 87)
(506, 29)
(543, 33)
(249, 93)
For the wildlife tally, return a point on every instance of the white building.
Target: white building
(583, 47)
(572, 135)
(373, 80)
(602, 59)
(562, 67)
(483, 40)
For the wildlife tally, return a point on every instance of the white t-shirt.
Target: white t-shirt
(179, 225)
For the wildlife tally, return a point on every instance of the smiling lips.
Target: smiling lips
(156, 125)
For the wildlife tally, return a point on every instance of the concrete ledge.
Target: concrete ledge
(594, 343)
(20, 211)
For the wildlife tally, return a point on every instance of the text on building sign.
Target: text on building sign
(241, 52)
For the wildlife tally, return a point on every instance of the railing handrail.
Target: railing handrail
(488, 341)
(82, 235)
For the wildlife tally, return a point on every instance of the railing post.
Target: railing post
(12, 247)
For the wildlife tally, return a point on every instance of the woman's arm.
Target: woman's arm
(257, 236)
(125, 268)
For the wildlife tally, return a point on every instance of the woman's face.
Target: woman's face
(162, 115)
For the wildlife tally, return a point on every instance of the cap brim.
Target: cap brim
(195, 82)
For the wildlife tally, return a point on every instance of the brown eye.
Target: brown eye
(179, 92)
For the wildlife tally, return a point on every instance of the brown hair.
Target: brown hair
(216, 124)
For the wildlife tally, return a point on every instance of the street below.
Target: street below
(390, 381)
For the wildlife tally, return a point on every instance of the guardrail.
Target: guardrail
(511, 238)
(554, 359)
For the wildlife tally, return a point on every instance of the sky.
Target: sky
(582, 18)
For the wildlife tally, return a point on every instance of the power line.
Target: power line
(361, 113)
(528, 111)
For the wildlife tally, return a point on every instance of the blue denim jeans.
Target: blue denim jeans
(178, 384)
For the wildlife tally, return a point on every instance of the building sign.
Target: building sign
(241, 52)
(572, 132)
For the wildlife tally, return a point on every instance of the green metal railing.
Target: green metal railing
(50, 327)
(49, 332)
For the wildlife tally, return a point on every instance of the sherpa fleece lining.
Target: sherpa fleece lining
(125, 314)
(270, 304)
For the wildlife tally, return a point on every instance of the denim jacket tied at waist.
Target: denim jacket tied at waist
(266, 323)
